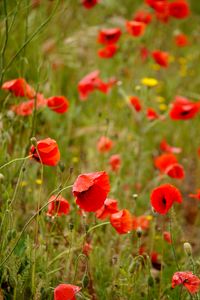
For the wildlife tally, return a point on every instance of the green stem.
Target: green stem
(96, 226)
(29, 221)
(172, 242)
(5, 42)
(30, 38)
(14, 160)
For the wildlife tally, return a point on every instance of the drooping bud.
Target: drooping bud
(188, 248)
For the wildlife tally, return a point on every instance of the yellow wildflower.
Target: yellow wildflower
(150, 82)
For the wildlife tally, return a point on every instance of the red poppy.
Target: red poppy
(87, 248)
(26, 108)
(181, 40)
(108, 52)
(104, 144)
(167, 237)
(135, 102)
(23, 109)
(155, 260)
(179, 9)
(92, 82)
(162, 10)
(19, 87)
(58, 206)
(195, 196)
(164, 146)
(89, 3)
(144, 53)
(121, 221)
(183, 109)
(152, 3)
(115, 162)
(66, 292)
(109, 36)
(109, 207)
(175, 171)
(151, 114)
(161, 58)
(59, 104)
(163, 197)
(48, 151)
(91, 190)
(135, 28)
(164, 160)
(143, 16)
(190, 281)
(140, 222)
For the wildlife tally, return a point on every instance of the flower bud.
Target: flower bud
(188, 248)
(34, 141)
(139, 232)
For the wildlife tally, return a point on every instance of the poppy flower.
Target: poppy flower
(19, 87)
(190, 281)
(23, 109)
(151, 114)
(88, 4)
(109, 36)
(162, 11)
(135, 102)
(135, 28)
(181, 40)
(87, 248)
(183, 109)
(156, 264)
(66, 292)
(92, 82)
(179, 9)
(58, 104)
(161, 58)
(121, 221)
(167, 237)
(108, 52)
(163, 161)
(109, 207)
(104, 144)
(195, 196)
(48, 151)
(140, 222)
(163, 197)
(58, 206)
(115, 162)
(26, 108)
(164, 146)
(143, 16)
(175, 171)
(91, 190)
(152, 3)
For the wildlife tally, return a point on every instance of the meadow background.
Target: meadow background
(53, 45)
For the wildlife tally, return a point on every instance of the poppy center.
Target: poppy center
(184, 113)
(164, 201)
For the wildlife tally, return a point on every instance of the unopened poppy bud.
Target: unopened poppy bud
(114, 259)
(131, 267)
(1, 177)
(188, 249)
(139, 232)
(34, 141)
(71, 226)
(85, 281)
(150, 281)
(135, 196)
(61, 166)
(86, 227)
(154, 212)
